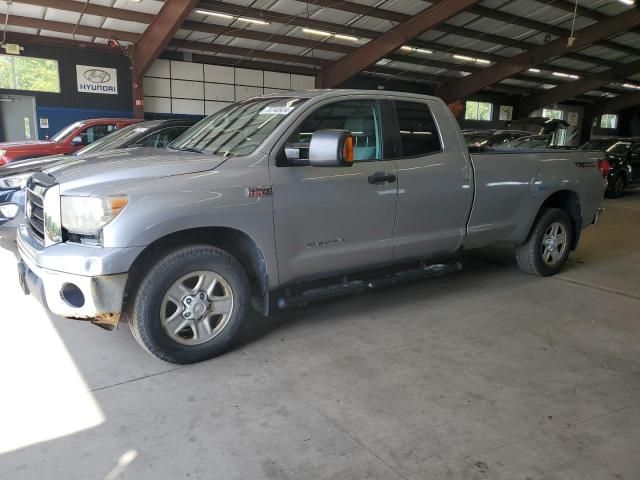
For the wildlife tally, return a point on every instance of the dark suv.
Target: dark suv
(623, 155)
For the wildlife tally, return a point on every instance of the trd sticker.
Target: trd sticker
(257, 192)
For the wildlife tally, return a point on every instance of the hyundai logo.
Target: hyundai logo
(95, 75)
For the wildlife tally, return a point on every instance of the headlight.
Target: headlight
(87, 215)
(15, 181)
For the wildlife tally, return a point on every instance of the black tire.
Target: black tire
(617, 186)
(144, 313)
(529, 255)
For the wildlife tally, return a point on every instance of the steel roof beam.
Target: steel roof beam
(159, 33)
(540, 54)
(584, 85)
(618, 103)
(349, 65)
(70, 28)
(93, 9)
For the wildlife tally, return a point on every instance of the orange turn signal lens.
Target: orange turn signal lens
(347, 149)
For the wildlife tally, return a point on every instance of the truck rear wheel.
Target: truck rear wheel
(546, 250)
(190, 304)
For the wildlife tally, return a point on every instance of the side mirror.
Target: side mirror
(331, 148)
(76, 141)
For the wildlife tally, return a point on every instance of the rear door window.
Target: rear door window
(419, 134)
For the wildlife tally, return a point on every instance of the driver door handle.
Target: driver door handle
(380, 177)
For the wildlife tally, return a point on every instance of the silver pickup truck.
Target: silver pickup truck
(282, 200)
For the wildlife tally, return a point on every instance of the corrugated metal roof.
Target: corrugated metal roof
(489, 33)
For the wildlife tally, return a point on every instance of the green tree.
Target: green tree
(37, 74)
(6, 72)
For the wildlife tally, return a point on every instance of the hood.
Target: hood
(31, 166)
(23, 143)
(85, 174)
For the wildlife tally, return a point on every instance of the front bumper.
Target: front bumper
(87, 290)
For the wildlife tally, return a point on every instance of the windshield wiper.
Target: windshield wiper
(188, 149)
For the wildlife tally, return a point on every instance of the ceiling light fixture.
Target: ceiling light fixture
(214, 14)
(407, 48)
(316, 32)
(471, 59)
(627, 2)
(346, 37)
(322, 33)
(565, 75)
(252, 20)
(631, 85)
(534, 70)
(231, 17)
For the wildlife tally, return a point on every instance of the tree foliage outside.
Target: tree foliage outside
(553, 114)
(29, 73)
(478, 111)
(609, 121)
(6, 72)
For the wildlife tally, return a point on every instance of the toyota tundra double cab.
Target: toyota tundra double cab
(281, 200)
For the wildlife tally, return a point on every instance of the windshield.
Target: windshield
(58, 137)
(238, 129)
(118, 139)
(618, 148)
(602, 144)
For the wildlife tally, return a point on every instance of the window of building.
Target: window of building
(552, 114)
(29, 73)
(482, 111)
(609, 121)
(418, 130)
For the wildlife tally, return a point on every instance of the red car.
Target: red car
(71, 138)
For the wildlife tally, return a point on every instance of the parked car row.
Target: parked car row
(126, 133)
(622, 153)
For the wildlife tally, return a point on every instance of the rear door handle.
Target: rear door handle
(380, 177)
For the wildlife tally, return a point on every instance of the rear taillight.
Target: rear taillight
(604, 167)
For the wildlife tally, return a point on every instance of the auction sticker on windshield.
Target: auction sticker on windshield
(276, 110)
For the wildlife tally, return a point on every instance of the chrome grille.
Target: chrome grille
(35, 214)
(37, 186)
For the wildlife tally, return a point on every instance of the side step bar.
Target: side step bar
(347, 287)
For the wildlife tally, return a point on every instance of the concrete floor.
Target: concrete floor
(486, 374)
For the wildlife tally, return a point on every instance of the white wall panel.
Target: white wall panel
(187, 70)
(160, 68)
(187, 107)
(213, 107)
(157, 87)
(277, 80)
(302, 82)
(245, 76)
(187, 89)
(157, 105)
(243, 92)
(218, 74)
(220, 92)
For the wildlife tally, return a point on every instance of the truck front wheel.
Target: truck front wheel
(546, 250)
(190, 304)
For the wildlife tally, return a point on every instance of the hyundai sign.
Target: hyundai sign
(97, 80)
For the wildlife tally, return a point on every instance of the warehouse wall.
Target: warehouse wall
(186, 88)
(69, 105)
